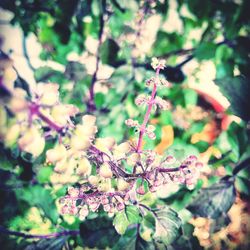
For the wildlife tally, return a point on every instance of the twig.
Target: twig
(147, 115)
(91, 103)
(25, 53)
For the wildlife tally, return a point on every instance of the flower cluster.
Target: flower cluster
(183, 118)
(109, 176)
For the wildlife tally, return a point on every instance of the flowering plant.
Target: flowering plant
(114, 177)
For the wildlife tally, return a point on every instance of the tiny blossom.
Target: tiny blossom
(131, 123)
(199, 164)
(158, 64)
(164, 82)
(142, 99)
(170, 159)
(83, 212)
(140, 190)
(162, 104)
(151, 135)
(120, 206)
(73, 192)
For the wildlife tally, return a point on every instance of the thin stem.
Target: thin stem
(147, 115)
(51, 123)
(94, 194)
(40, 236)
(91, 104)
(34, 109)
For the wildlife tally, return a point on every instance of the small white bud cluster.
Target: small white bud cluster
(158, 81)
(142, 99)
(150, 132)
(162, 104)
(158, 63)
(78, 203)
(132, 123)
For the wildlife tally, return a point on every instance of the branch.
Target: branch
(91, 103)
(25, 53)
(39, 236)
(147, 115)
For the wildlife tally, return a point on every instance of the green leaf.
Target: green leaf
(47, 74)
(41, 197)
(75, 71)
(205, 51)
(237, 90)
(131, 240)
(99, 99)
(109, 52)
(243, 186)
(167, 225)
(43, 174)
(187, 241)
(98, 233)
(133, 214)
(214, 201)
(121, 222)
(126, 217)
(237, 138)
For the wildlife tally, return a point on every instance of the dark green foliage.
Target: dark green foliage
(237, 90)
(98, 232)
(214, 201)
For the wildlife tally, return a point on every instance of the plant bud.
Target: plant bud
(94, 206)
(105, 170)
(61, 166)
(73, 192)
(80, 143)
(105, 144)
(122, 185)
(73, 210)
(89, 120)
(65, 209)
(93, 180)
(56, 154)
(133, 158)
(32, 142)
(104, 200)
(199, 164)
(84, 167)
(140, 190)
(48, 93)
(170, 159)
(107, 208)
(60, 115)
(120, 206)
(85, 131)
(105, 185)
(121, 150)
(83, 212)
(12, 135)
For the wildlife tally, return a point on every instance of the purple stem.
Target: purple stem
(51, 124)
(147, 115)
(35, 110)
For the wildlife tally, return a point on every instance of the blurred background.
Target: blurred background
(99, 51)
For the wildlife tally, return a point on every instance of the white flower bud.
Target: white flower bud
(12, 134)
(105, 170)
(133, 158)
(84, 167)
(93, 180)
(122, 185)
(56, 154)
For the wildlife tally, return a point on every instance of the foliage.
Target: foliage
(66, 152)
